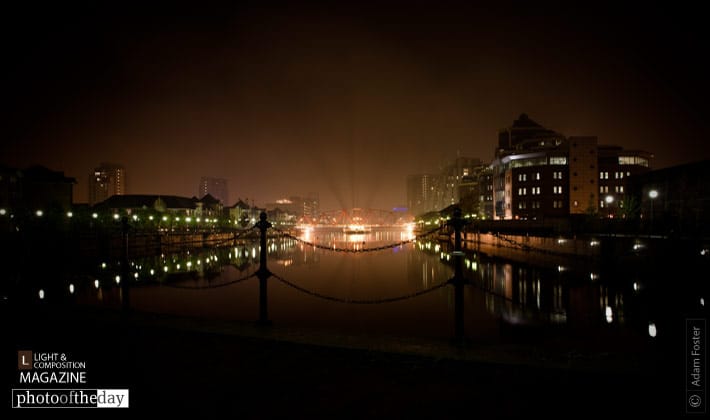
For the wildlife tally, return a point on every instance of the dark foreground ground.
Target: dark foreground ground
(168, 364)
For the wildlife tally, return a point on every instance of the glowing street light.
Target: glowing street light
(94, 215)
(39, 213)
(653, 194)
(609, 199)
(70, 214)
(3, 212)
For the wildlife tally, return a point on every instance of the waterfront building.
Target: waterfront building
(208, 206)
(34, 189)
(130, 204)
(540, 173)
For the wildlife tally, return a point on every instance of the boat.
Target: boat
(356, 229)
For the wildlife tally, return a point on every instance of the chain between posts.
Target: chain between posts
(359, 301)
(210, 286)
(378, 248)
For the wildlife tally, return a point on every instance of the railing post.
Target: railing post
(263, 273)
(457, 223)
(125, 280)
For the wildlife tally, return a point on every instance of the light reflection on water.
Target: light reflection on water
(500, 294)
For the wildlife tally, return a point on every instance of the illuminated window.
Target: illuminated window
(561, 160)
(537, 176)
(633, 160)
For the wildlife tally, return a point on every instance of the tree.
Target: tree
(629, 208)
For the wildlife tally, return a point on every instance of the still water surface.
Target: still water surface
(503, 299)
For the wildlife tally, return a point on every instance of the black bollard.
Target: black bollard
(457, 223)
(125, 280)
(263, 273)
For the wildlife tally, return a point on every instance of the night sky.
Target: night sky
(343, 100)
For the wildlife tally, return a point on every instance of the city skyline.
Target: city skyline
(346, 101)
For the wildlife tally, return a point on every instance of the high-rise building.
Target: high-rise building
(311, 206)
(216, 187)
(475, 195)
(431, 192)
(452, 176)
(421, 193)
(107, 180)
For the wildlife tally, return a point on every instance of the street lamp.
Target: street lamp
(609, 199)
(653, 194)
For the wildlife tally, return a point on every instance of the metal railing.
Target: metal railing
(264, 274)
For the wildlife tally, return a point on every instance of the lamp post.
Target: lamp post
(653, 194)
(609, 199)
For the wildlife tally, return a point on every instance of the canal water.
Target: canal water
(599, 304)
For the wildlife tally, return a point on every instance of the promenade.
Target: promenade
(257, 372)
